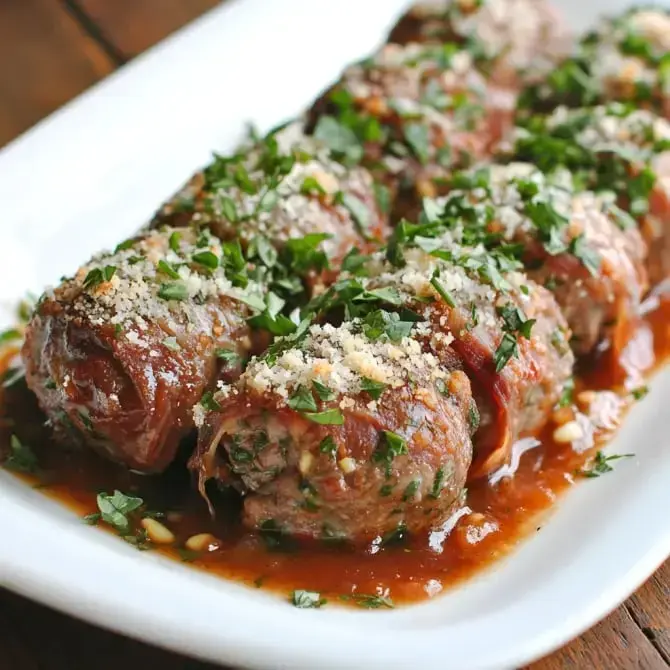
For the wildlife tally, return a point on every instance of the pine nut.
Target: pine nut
(568, 432)
(202, 542)
(157, 532)
(347, 465)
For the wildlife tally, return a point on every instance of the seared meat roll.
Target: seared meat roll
(518, 34)
(342, 434)
(120, 353)
(281, 191)
(507, 332)
(412, 114)
(571, 242)
(627, 58)
(612, 148)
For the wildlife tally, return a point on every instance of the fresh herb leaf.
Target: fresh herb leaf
(302, 400)
(9, 335)
(311, 185)
(418, 138)
(390, 445)
(640, 392)
(323, 391)
(446, 296)
(507, 348)
(601, 464)
(206, 259)
(167, 269)
(372, 388)
(307, 599)
(209, 402)
(329, 417)
(359, 213)
(174, 241)
(369, 601)
(115, 508)
(173, 291)
(410, 490)
(328, 445)
(21, 457)
(228, 356)
(98, 276)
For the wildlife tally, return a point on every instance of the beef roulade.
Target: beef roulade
(612, 148)
(412, 114)
(569, 241)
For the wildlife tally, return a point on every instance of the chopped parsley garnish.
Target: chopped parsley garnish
(228, 356)
(369, 601)
(174, 241)
(359, 213)
(311, 185)
(390, 445)
(410, 490)
(9, 335)
(446, 296)
(323, 391)
(328, 445)
(307, 599)
(206, 259)
(438, 483)
(329, 417)
(514, 323)
(173, 291)
(302, 400)
(567, 394)
(372, 388)
(417, 137)
(98, 276)
(474, 417)
(507, 348)
(209, 402)
(601, 464)
(21, 457)
(115, 510)
(640, 392)
(166, 268)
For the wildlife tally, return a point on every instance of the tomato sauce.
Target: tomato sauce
(499, 512)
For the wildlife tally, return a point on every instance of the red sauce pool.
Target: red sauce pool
(501, 513)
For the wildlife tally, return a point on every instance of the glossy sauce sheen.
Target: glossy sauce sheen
(411, 570)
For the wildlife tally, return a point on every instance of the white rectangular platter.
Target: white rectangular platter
(91, 174)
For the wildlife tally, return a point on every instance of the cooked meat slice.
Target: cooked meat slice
(120, 353)
(507, 332)
(412, 114)
(626, 59)
(519, 35)
(340, 435)
(569, 241)
(612, 148)
(281, 191)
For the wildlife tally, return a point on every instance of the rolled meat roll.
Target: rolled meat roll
(572, 242)
(343, 435)
(507, 332)
(412, 114)
(627, 58)
(284, 192)
(519, 35)
(120, 353)
(612, 148)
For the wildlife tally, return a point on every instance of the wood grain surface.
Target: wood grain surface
(50, 51)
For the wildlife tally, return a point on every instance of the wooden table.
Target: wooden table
(50, 51)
